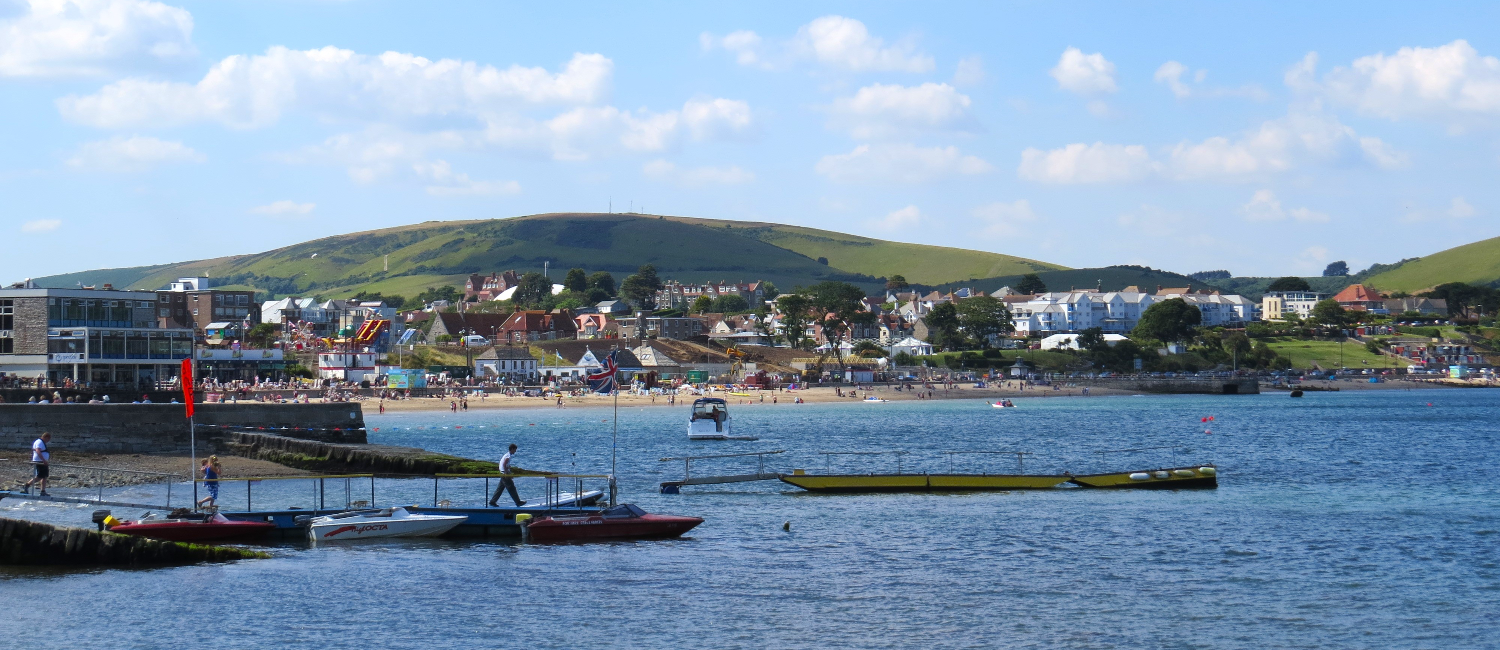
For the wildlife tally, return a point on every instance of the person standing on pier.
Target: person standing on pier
(40, 468)
(211, 471)
(506, 482)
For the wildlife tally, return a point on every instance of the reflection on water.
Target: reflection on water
(1342, 520)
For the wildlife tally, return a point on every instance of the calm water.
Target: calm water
(1346, 520)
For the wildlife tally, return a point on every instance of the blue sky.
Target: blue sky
(1265, 140)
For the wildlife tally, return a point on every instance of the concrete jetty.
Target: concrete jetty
(322, 456)
(31, 543)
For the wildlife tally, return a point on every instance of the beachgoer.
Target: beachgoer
(39, 465)
(211, 470)
(506, 483)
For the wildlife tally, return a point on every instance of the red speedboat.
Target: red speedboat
(195, 529)
(624, 521)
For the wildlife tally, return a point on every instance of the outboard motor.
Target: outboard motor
(99, 517)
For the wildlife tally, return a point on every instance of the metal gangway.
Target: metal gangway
(760, 474)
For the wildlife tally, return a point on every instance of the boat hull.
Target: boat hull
(196, 531)
(399, 523)
(1196, 478)
(598, 527)
(853, 483)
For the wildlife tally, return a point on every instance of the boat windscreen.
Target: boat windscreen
(624, 510)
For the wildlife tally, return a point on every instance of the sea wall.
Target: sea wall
(34, 543)
(1188, 385)
(162, 428)
(351, 458)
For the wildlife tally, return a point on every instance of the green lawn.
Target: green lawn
(1476, 262)
(1325, 354)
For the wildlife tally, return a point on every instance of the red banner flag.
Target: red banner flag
(186, 379)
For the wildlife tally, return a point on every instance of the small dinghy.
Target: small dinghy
(193, 528)
(1004, 404)
(388, 522)
(624, 521)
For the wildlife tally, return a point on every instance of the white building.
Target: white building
(1074, 311)
(1277, 304)
(1217, 309)
(1070, 341)
(911, 346)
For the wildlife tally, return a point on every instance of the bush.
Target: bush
(992, 353)
(904, 359)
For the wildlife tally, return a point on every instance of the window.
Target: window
(218, 299)
(7, 315)
(244, 300)
(7, 346)
(166, 313)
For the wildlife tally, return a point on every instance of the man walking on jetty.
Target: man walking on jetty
(40, 469)
(506, 483)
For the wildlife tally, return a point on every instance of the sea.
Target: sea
(1352, 519)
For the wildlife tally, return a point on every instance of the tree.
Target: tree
(1461, 297)
(702, 304)
(731, 303)
(1330, 313)
(1336, 269)
(394, 302)
(640, 289)
(942, 321)
(1289, 283)
(1031, 283)
(533, 291)
(1091, 339)
(601, 286)
(981, 317)
(576, 280)
(839, 305)
(868, 349)
(449, 293)
(896, 283)
(904, 359)
(263, 334)
(795, 311)
(1168, 321)
(768, 289)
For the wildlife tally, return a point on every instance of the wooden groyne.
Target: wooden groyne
(318, 456)
(1179, 385)
(31, 543)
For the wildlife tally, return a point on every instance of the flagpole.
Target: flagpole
(615, 442)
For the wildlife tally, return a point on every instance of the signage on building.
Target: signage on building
(66, 357)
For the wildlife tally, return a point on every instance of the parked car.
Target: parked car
(474, 341)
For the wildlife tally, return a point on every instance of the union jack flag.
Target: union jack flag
(604, 380)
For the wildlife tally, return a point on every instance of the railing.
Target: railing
(828, 455)
(99, 475)
(320, 491)
(554, 485)
(687, 461)
(1020, 455)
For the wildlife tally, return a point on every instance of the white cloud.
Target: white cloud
(130, 154)
(716, 118)
(1279, 145)
(284, 209)
(904, 218)
(1171, 73)
(1451, 83)
(664, 171)
(1264, 206)
(1085, 74)
(970, 71)
(253, 91)
(91, 37)
(832, 41)
(883, 110)
(1314, 255)
(40, 225)
(904, 163)
(1082, 163)
(1006, 219)
(446, 182)
(1460, 209)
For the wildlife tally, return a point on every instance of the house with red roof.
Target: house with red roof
(1358, 297)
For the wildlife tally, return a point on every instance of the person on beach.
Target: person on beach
(39, 467)
(506, 483)
(211, 470)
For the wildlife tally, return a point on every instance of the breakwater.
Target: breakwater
(1179, 385)
(34, 543)
(322, 456)
(162, 428)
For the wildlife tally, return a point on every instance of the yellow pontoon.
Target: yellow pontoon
(1173, 478)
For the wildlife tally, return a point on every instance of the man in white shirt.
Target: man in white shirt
(506, 483)
(40, 469)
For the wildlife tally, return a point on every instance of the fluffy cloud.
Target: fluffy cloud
(1277, 146)
(716, 118)
(1451, 83)
(40, 225)
(664, 171)
(90, 37)
(1085, 74)
(1264, 206)
(907, 217)
(1460, 209)
(446, 182)
(1082, 163)
(1003, 219)
(131, 154)
(284, 209)
(832, 41)
(883, 110)
(1171, 73)
(970, 71)
(904, 163)
(253, 91)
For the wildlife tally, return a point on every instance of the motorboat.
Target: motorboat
(1171, 478)
(624, 521)
(187, 527)
(1004, 404)
(386, 522)
(710, 420)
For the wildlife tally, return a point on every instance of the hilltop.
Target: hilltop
(1476, 263)
(407, 259)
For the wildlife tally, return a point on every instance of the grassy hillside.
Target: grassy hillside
(1476, 263)
(437, 253)
(1111, 278)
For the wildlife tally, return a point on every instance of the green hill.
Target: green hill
(406, 259)
(1476, 263)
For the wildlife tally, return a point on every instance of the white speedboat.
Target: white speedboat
(710, 420)
(388, 522)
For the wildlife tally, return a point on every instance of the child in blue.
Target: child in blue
(211, 471)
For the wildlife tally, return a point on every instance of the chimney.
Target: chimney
(1158, 288)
